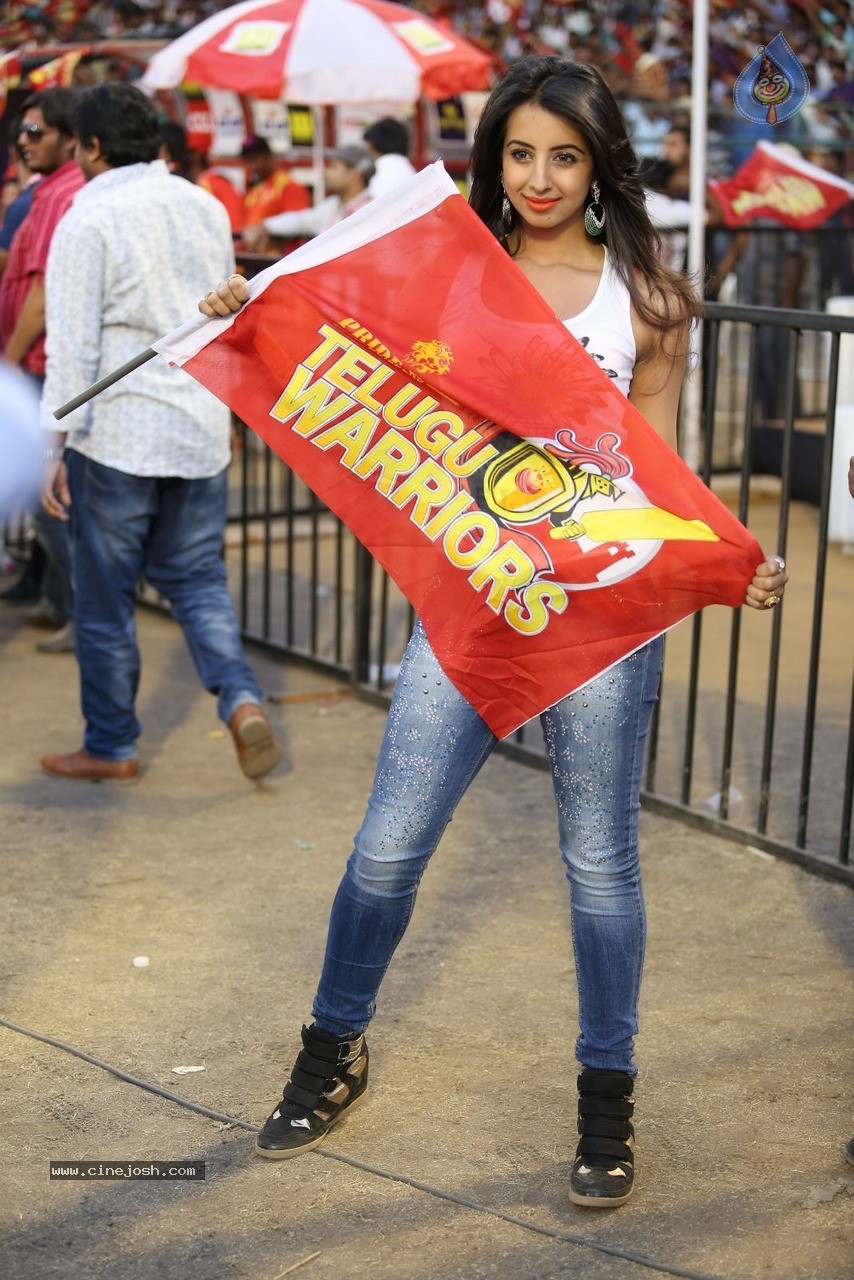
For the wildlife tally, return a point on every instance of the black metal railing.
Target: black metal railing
(795, 749)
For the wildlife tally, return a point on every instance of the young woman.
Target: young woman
(555, 179)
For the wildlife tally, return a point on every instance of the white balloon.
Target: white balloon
(22, 442)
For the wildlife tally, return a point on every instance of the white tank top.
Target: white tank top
(604, 328)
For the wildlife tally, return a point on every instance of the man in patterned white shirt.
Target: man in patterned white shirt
(143, 475)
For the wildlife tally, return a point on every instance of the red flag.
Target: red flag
(774, 183)
(409, 372)
(58, 73)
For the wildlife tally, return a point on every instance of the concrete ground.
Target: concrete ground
(458, 1165)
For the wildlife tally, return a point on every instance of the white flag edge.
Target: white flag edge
(413, 199)
(806, 167)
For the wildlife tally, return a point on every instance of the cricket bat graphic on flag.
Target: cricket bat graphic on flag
(405, 368)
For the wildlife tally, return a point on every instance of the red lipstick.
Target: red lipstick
(541, 205)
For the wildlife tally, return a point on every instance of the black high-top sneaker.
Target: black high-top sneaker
(328, 1078)
(603, 1172)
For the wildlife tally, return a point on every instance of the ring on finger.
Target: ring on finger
(780, 562)
(771, 601)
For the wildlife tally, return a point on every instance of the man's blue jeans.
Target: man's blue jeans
(434, 745)
(170, 530)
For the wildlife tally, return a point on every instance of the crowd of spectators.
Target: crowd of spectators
(639, 46)
(29, 23)
(643, 49)
(648, 45)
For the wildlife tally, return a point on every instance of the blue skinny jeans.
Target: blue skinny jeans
(434, 745)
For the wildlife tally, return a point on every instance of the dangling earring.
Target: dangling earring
(506, 210)
(594, 214)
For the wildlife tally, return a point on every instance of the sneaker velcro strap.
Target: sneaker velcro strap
(606, 1127)
(309, 1085)
(308, 1098)
(608, 1084)
(593, 1145)
(592, 1106)
(330, 1048)
(308, 1065)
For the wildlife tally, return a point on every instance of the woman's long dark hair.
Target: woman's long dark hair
(578, 94)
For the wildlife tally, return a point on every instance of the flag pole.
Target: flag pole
(697, 230)
(103, 383)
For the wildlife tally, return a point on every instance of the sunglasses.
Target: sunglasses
(34, 131)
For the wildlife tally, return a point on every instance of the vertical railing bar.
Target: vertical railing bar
(735, 627)
(848, 789)
(362, 611)
(729, 710)
(244, 530)
(697, 628)
(314, 508)
(747, 460)
(691, 709)
(268, 542)
(782, 537)
(282, 486)
(729, 714)
(289, 560)
(383, 636)
(818, 596)
(747, 452)
(711, 334)
(654, 725)
(339, 590)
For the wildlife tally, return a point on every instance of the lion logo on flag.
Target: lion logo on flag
(431, 356)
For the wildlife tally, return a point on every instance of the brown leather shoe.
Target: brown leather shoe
(257, 749)
(81, 765)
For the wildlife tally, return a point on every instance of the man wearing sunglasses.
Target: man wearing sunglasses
(46, 142)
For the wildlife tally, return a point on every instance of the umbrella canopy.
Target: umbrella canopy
(323, 52)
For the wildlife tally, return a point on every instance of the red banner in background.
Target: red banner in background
(198, 120)
(776, 183)
(407, 371)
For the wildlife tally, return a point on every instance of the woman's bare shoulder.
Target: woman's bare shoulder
(664, 316)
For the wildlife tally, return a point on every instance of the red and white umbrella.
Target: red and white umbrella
(323, 52)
